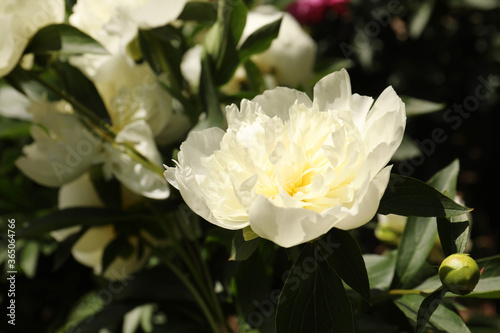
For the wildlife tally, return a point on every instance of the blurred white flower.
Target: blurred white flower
(19, 21)
(89, 249)
(289, 60)
(292, 168)
(64, 149)
(13, 104)
(291, 56)
(115, 23)
(131, 92)
(390, 228)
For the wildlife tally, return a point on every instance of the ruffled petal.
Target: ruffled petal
(278, 101)
(132, 174)
(333, 92)
(367, 203)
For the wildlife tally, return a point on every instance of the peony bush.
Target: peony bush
(205, 166)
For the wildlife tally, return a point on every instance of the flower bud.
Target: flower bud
(459, 273)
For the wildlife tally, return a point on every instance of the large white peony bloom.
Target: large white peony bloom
(19, 21)
(292, 168)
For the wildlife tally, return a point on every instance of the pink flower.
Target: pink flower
(314, 11)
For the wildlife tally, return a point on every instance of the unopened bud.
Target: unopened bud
(459, 273)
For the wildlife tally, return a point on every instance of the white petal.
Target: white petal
(132, 174)
(88, 250)
(360, 106)
(278, 101)
(384, 128)
(281, 225)
(62, 234)
(157, 13)
(191, 65)
(13, 104)
(190, 173)
(79, 193)
(53, 163)
(367, 203)
(333, 92)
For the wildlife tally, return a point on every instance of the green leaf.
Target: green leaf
(380, 269)
(65, 218)
(407, 149)
(108, 190)
(489, 283)
(85, 308)
(427, 308)
(420, 233)
(445, 180)
(29, 258)
(415, 106)
(199, 11)
(255, 79)
(242, 249)
(13, 128)
(78, 86)
(103, 320)
(220, 44)
(443, 319)
(420, 18)
(453, 233)
(162, 48)
(260, 40)
(63, 251)
(343, 255)
(208, 95)
(63, 39)
(411, 197)
(313, 298)
(454, 236)
(417, 241)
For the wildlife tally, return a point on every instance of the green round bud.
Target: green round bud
(459, 273)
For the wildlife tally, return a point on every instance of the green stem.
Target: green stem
(199, 299)
(194, 263)
(379, 298)
(196, 255)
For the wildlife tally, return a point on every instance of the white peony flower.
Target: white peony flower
(291, 56)
(115, 23)
(19, 21)
(64, 149)
(131, 92)
(292, 168)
